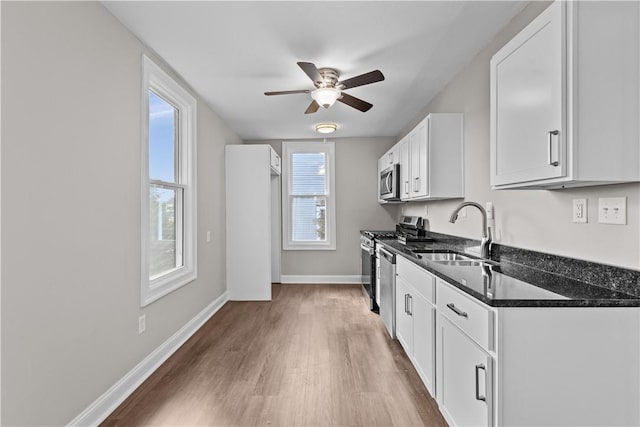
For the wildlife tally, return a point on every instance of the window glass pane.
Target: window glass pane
(308, 173)
(309, 219)
(163, 222)
(162, 139)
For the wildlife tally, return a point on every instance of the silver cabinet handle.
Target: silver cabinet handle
(478, 396)
(390, 158)
(410, 312)
(456, 310)
(551, 134)
(406, 187)
(416, 184)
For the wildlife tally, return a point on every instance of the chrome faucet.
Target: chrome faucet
(485, 243)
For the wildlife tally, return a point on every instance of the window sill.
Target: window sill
(308, 247)
(164, 285)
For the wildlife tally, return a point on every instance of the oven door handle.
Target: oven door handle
(366, 249)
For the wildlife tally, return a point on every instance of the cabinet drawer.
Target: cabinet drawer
(469, 315)
(422, 281)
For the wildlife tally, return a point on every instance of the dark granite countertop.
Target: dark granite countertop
(507, 284)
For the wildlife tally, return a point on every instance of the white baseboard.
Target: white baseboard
(347, 279)
(99, 410)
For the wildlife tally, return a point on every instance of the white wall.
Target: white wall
(357, 208)
(71, 135)
(531, 219)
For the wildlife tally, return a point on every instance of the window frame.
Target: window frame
(157, 80)
(328, 148)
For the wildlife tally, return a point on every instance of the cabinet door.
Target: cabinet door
(424, 317)
(464, 387)
(528, 102)
(389, 159)
(404, 169)
(404, 323)
(381, 166)
(418, 151)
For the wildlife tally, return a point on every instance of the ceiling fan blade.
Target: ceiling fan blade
(354, 102)
(312, 71)
(312, 108)
(286, 92)
(363, 79)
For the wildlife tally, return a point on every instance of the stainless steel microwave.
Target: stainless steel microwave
(390, 183)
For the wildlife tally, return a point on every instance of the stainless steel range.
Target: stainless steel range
(409, 229)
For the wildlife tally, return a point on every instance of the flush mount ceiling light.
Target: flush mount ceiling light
(326, 127)
(326, 96)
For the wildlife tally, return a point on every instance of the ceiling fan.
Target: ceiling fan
(329, 88)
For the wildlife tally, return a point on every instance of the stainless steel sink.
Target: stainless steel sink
(463, 263)
(450, 258)
(444, 256)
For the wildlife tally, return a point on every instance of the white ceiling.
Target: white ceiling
(232, 52)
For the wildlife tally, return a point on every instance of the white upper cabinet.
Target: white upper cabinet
(404, 168)
(419, 158)
(564, 116)
(528, 90)
(445, 156)
(390, 158)
(431, 159)
(436, 158)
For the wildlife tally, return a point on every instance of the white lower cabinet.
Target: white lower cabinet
(404, 322)
(424, 317)
(568, 366)
(464, 365)
(518, 366)
(415, 318)
(465, 391)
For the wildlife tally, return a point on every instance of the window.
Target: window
(309, 196)
(168, 185)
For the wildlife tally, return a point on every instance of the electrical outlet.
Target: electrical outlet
(612, 210)
(580, 210)
(489, 209)
(142, 323)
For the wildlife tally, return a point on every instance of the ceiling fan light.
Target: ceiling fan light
(326, 127)
(326, 96)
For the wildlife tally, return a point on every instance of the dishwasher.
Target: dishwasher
(388, 290)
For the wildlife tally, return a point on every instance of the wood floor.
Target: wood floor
(314, 356)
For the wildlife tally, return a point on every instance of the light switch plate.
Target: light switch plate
(580, 210)
(612, 210)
